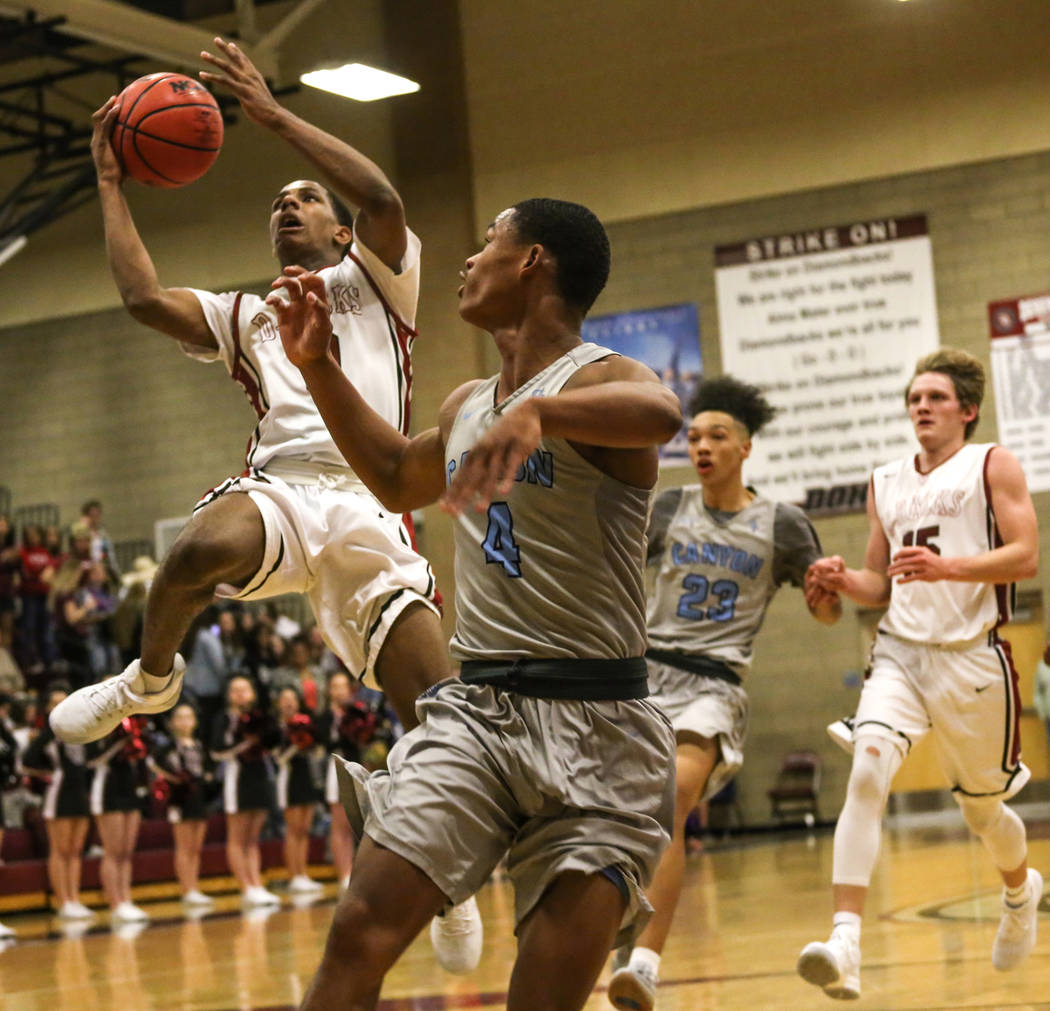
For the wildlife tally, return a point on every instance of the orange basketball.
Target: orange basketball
(168, 130)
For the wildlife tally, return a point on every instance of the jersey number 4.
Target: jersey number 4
(922, 538)
(499, 545)
(697, 588)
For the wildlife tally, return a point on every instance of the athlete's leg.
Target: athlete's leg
(129, 836)
(59, 834)
(222, 543)
(296, 838)
(237, 827)
(110, 833)
(413, 657)
(252, 853)
(634, 985)
(388, 903)
(342, 843)
(695, 757)
(563, 943)
(834, 965)
(187, 855)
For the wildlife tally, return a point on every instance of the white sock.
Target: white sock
(151, 683)
(847, 923)
(1018, 896)
(646, 957)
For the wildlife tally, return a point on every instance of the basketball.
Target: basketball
(168, 130)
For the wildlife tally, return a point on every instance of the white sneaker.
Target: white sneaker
(833, 964)
(74, 911)
(128, 912)
(457, 937)
(6, 932)
(841, 732)
(259, 896)
(92, 712)
(1015, 938)
(195, 897)
(633, 988)
(303, 885)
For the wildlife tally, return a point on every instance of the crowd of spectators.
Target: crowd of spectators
(265, 702)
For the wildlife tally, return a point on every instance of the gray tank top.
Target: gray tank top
(556, 568)
(716, 572)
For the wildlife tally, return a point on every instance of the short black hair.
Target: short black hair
(741, 401)
(576, 238)
(343, 215)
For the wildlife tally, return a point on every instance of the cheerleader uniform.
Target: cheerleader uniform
(67, 793)
(115, 786)
(8, 768)
(339, 731)
(185, 764)
(247, 777)
(295, 778)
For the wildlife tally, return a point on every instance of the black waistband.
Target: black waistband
(704, 666)
(594, 680)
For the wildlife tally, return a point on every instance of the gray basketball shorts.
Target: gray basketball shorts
(557, 785)
(700, 706)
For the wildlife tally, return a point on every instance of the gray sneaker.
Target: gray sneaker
(92, 712)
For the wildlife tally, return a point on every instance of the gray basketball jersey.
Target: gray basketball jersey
(556, 568)
(716, 572)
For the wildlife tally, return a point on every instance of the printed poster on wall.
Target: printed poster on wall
(829, 322)
(1020, 353)
(666, 339)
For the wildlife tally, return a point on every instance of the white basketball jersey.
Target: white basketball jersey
(373, 314)
(949, 511)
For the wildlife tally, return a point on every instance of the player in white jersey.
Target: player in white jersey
(718, 552)
(298, 519)
(951, 530)
(547, 747)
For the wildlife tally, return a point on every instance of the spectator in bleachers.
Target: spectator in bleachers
(101, 545)
(10, 563)
(83, 605)
(126, 624)
(301, 673)
(119, 760)
(53, 542)
(343, 728)
(208, 669)
(37, 569)
(8, 781)
(186, 765)
(297, 795)
(11, 680)
(63, 769)
(242, 740)
(324, 660)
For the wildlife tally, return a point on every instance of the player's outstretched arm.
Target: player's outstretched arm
(869, 586)
(616, 406)
(173, 311)
(402, 473)
(380, 223)
(1017, 558)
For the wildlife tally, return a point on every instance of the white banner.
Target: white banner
(1020, 333)
(829, 323)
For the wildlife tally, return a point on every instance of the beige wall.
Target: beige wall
(733, 119)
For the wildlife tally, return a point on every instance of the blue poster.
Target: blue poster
(668, 341)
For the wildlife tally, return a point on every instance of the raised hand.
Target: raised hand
(235, 72)
(493, 461)
(303, 316)
(107, 164)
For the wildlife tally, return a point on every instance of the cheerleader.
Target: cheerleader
(241, 741)
(64, 771)
(296, 794)
(8, 781)
(344, 728)
(184, 766)
(118, 760)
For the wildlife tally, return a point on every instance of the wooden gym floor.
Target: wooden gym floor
(747, 909)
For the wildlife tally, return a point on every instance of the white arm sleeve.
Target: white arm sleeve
(218, 312)
(401, 290)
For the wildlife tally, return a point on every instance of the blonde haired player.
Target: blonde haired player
(298, 520)
(951, 529)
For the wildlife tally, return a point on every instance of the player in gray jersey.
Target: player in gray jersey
(547, 749)
(718, 552)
